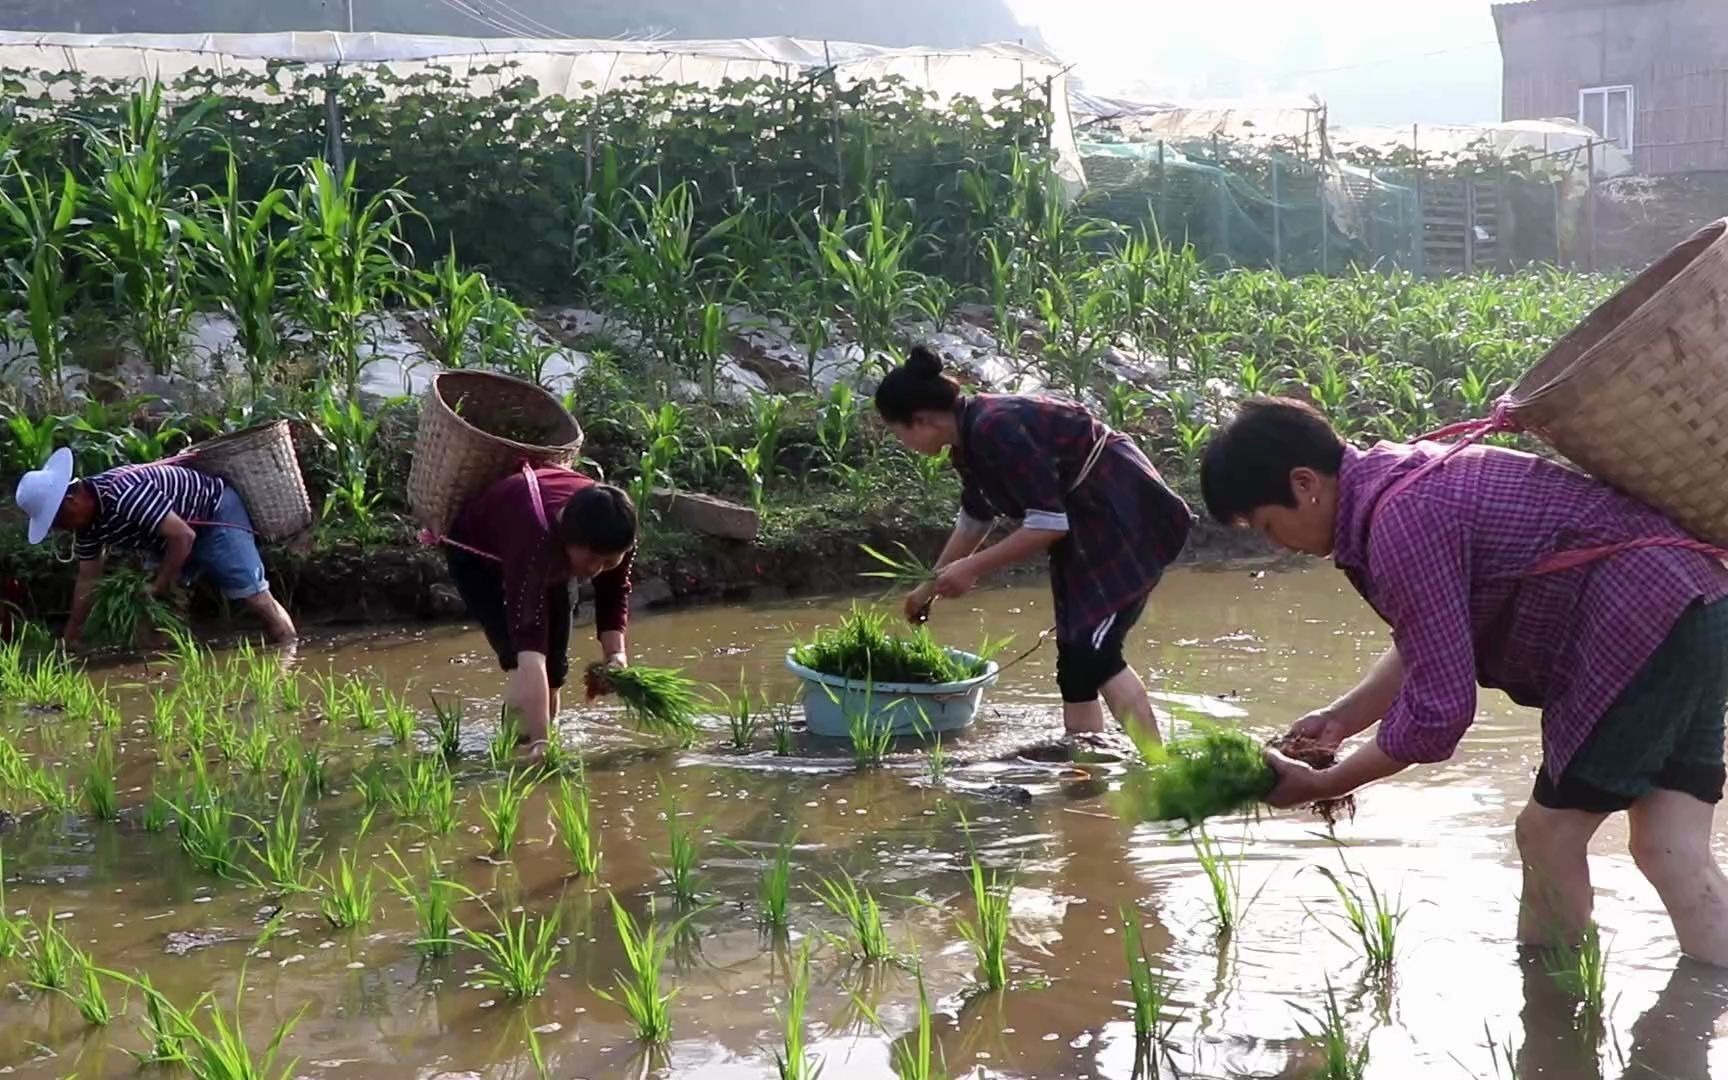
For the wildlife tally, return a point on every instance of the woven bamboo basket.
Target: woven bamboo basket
(261, 465)
(475, 427)
(1637, 395)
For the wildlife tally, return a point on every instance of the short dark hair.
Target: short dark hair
(1247, 464)
(601, 518)
(916, 386)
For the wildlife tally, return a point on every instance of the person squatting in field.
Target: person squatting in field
(1083, 494)
(1502, 569)
(513, 552)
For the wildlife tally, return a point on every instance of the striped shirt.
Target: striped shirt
(1444, 563)
(132, 501)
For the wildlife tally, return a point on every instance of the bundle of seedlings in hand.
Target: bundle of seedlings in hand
(861, 649)
(122, 604)
(1213, 772)
(659, 699)
(906, 569)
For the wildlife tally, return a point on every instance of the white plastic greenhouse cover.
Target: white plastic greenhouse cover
(568, 67)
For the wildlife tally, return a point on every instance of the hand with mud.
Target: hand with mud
(1320, 729)
(1297, 760)
(918, 601)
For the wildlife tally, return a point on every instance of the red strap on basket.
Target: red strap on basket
(1470, 432)
(432, 538)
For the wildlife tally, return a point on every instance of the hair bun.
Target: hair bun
(924, 363)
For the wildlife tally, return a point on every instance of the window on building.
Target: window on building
(1607, 110)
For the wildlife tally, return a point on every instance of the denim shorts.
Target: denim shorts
(227, 553)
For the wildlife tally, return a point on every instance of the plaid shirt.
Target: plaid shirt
(1443, 563)
(133, 500)
(1018, 457)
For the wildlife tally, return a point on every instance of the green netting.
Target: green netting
(1265, 210)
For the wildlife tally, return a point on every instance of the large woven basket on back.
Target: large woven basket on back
(474, 428)
(261, 465)
(1637, 395)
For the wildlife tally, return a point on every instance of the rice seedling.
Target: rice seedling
(655, 699)
(164, 710)
(1582, 972)
(638, 990)
(53, 789)
(793, 1061)
(1224, 875)
(207, 832)
(517, 958)
(774, 891)
(1149, 991)
(123, 604)
(86, 991)
(219, 1051)
(504, 814)
(101, 795)
(844, 898)
(364, 711)
(256, 749)
(935, 754)
(416, 785)
(871, 730)
(501, 749)
(681, 857)
(158, 810)
(1341, 1057)
(743, 721)
(433, 899)
(335, 703)
(307, 768)
(987, 930)
(374, 786)
(905, 570)
(1371, 917)
(1213, 772)
(159, 1029)
(781, 730)
(14, 929)
(345, 896)
(401, 720)
(49, 958)
(572, 818)
(438, 811)
(861, 649)
(285, 859)
(916, 1055)
(293, 694)
(449, 714)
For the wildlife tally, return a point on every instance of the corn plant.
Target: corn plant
(1342, 1058)
(638, 990)
(793, 1060)
(571, 815)
(518, 957)
(504, 814)
(1371, 917)
(843, 897)
(867, 262)
(433, 899)
(350, 257)
(140, 240)
(45, 219)
(661, 263)
(244, 271)
(460, 303)
(663, 444)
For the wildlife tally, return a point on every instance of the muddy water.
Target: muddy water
(1256, 650)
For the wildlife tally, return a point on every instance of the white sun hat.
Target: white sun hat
(40, 493)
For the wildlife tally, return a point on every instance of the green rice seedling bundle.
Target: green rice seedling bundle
(743, 719)
(987, 930)
(49, 958)
(774, 892)
(781, 729)
(861, 648)
(283, 856)
(1213, 772)
(792, 1061)
(655, 699)
(14, 929)
(501, 750)
(101, 795)
(863, 916)
(681, 857)
(504, 813)
(1342, 1058)
(916, 1056)
(123, 604)
(449, 715)
(1149, 991)
(86, 991)
(346, 894)
(1582, 971)
(401, 720)
(165, 1046)
(1371, 916)
(216, 1049)
(573, 819)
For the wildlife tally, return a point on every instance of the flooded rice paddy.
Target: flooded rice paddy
(1256, 650)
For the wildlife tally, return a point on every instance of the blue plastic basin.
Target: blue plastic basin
(830, 701)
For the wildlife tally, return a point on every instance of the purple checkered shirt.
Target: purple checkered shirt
(1443, 562)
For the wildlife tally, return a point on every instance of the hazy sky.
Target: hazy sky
(1437, 62)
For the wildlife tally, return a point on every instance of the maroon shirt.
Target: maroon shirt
(1444, 562)
(501, 522)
